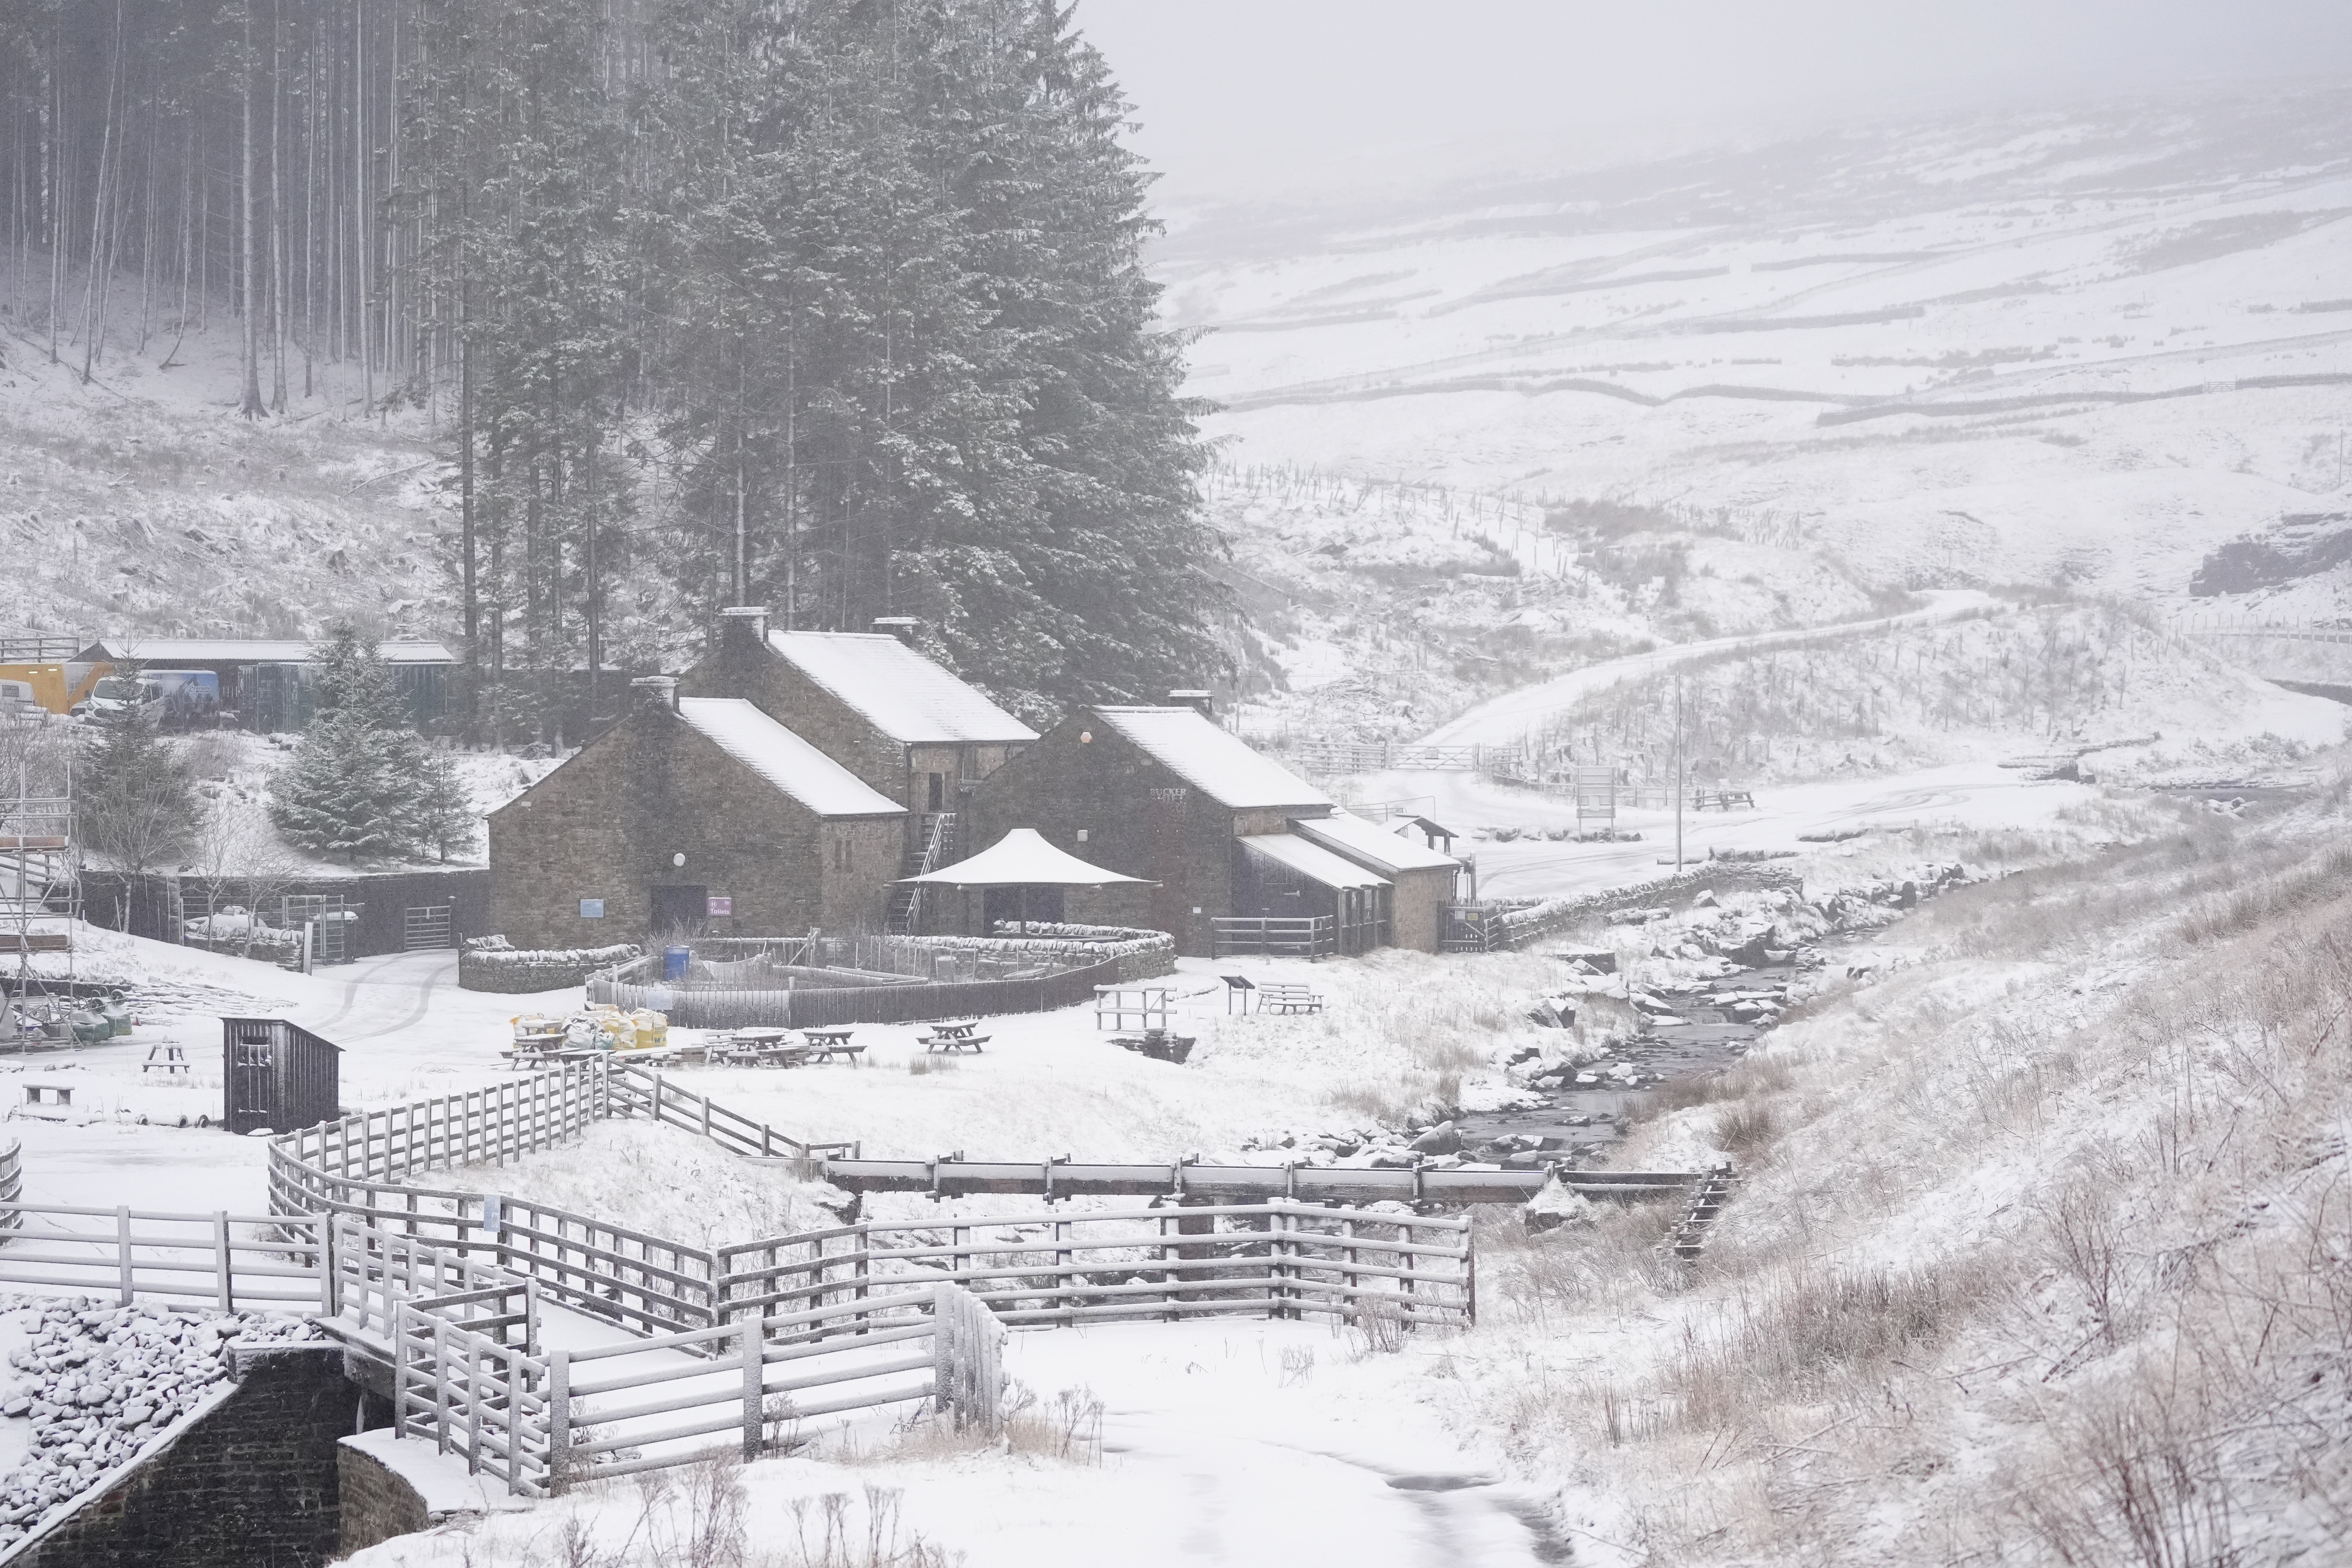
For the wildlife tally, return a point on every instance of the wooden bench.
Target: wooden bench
(961, 1041)
(1287, 996)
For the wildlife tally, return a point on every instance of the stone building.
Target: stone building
(692, 814)
(1165, 794)
(899, 720)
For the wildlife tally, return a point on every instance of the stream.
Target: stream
(1579, 1120)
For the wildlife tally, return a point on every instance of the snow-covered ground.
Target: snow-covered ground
(1238, 1443)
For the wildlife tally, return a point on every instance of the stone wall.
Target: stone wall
(374, 1502)
(612, 824)
(512, 971)
(251, 1481)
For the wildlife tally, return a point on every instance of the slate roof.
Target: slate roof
(1217, 763)
(1372, 844)
(783, 759)
(908, 697)
(1311, 860)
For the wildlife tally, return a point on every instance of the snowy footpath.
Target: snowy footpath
(1240, 1444)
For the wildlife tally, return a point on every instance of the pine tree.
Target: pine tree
(134, 801)
(446, 820)
(361, 782)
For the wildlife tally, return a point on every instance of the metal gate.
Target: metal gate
(334, 918)
(425, 926)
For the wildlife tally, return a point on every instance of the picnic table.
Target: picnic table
(951, 1034)
(825, 1044)
(1288, 996)
(760, 1047)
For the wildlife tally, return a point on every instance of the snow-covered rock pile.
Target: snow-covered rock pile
(97, 1382)
(1140, 954)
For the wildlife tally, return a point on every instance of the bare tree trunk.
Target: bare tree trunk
(250, 293)
(108, 156)
(277, 212)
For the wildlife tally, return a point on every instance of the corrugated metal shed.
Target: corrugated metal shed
(170, 651)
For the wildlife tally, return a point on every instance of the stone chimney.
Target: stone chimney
(655, 692)
(1200, 702)
(743, 624)
(900, 626)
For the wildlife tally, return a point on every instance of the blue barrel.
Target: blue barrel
(674, 962)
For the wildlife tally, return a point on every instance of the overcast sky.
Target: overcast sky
(1248, 98)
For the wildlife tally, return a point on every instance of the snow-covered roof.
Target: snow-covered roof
(908, 697)
(1023, 858)
(1218, 765)
(169, 651)
(1311, 860)
(783, 759)
(1368, 842)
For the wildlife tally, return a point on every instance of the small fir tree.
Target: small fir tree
(361, 782)
(133, 800)
(446, 818)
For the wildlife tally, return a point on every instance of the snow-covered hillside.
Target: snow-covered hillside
(2075, 349)
(136, 501)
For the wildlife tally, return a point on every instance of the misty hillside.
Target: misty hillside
(2085, 350)
(1661, 403)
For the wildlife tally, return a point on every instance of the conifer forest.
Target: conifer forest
(835, 306)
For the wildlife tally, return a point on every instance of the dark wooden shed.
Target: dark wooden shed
(279, 1076)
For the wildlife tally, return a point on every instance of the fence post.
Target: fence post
(398, 1314)
(754, 1386)
(473, 1407)
(1469, 1277)
(226, 1294)
(122, 1242)
(440, 1385)
(331, 1287)
(559, 1421)
(943, 1389)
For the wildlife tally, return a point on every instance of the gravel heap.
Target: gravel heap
(99, 1382)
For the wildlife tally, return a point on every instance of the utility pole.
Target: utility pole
(1679, 765)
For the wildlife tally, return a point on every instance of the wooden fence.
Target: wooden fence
(234, 1262)
(1298, 936)
(12, 1183)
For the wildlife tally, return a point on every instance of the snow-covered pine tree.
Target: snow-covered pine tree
(361, 784)
(134, 801)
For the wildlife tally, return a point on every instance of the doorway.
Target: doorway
(678, 911)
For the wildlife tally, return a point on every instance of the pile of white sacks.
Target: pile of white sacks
(99, 1382)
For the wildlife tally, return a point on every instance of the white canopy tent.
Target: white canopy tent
(1022, 859)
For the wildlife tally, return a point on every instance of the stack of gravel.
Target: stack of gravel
(99, 1382)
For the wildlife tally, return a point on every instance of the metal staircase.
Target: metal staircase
(940, 844)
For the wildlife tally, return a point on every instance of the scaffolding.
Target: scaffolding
(40, 896)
